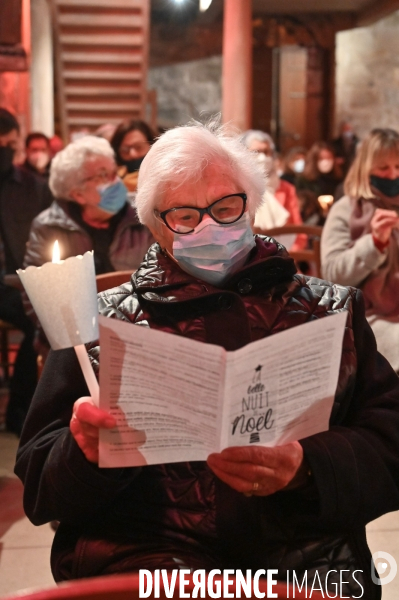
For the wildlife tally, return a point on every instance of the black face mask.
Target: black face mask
(6, 158)
(133, 164)
(388, 187)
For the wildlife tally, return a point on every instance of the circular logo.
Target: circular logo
(386, 567)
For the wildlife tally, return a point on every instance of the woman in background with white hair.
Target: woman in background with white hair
(302, 505)
(270, 214)
(90, 211)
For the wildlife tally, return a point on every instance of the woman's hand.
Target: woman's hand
(260, 471)
(382, 223)
(86, 421)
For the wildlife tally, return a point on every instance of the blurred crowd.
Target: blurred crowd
(83, 195)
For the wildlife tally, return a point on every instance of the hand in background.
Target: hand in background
(382, 223)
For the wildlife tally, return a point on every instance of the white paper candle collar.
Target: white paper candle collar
(64, 297)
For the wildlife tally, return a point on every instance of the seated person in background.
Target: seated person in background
(345, 146)
(38, 155)
(360, 241)
(302, 505)
(131, 142)
(320, 177)
(293, 164)
(90, 211)
(22, 197)
(24, 378)
(284, 192)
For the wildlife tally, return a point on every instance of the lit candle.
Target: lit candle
(63, 294)
(325, 202)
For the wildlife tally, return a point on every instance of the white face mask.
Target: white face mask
(213, 252)
(325, 165)
(39, 159)
(298, 165)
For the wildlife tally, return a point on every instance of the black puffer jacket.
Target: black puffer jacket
(116, 520)
(129, 245)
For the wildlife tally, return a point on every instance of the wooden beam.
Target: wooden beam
(102, 90)
(102, 75)
(97, 121)
(100, 20)
(110, 106)
(114, 58)
(80, 39)
(375, 11)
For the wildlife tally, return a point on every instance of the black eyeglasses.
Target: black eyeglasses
(184, 219)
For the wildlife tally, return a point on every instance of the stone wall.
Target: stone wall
(367, 78)
(187, 89)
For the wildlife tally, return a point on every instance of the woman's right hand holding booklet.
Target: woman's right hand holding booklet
(86, 422)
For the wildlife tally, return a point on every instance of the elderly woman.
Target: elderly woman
(90, 211)
(360, 243)
(262, 143)
(303, 505)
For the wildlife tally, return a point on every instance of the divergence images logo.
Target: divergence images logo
(386, 567)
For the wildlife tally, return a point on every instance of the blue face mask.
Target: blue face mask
(389, 187)
(213, 252)
(113, 196)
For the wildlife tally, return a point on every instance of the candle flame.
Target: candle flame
(56, 252)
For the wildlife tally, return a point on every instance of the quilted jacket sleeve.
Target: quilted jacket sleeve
(356, 463)
(59, 483)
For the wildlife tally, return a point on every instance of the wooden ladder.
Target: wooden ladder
(101, 52)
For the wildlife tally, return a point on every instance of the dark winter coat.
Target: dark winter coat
(129, 245)
(22, 197)
(163, 516)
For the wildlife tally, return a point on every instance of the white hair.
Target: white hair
(256, 135)
(182, 154)
(68, 166)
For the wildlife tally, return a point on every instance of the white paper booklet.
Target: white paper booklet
(177, 399)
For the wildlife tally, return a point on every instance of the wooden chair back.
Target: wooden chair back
(106, 281)
(6, 347)
(310, 255)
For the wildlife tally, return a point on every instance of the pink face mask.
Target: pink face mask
(213, 252)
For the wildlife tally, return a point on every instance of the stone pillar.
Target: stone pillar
(42, 85)
(237, 63)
